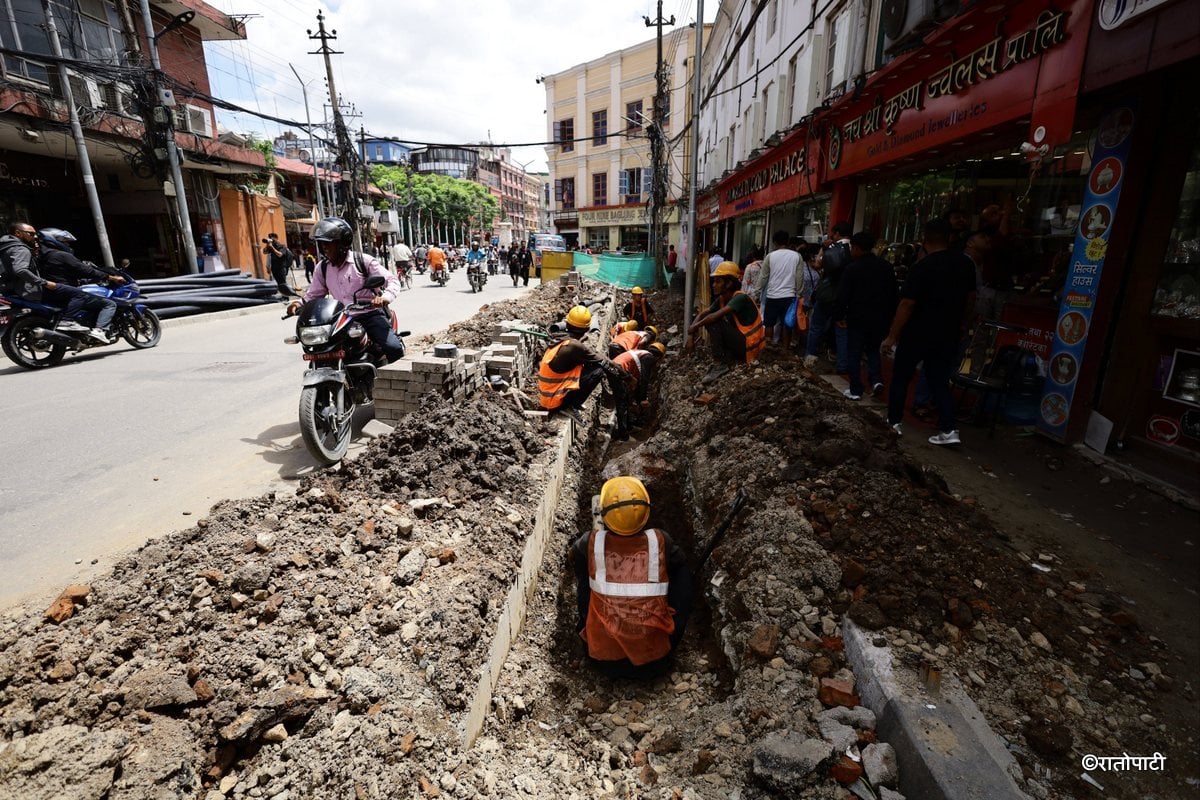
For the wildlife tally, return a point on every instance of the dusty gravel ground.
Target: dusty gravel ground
(324, 645)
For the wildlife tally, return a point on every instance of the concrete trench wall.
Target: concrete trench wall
(400, 388)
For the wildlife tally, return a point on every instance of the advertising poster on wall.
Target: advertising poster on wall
(1099, 210)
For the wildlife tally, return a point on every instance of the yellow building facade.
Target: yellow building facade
(601, 169)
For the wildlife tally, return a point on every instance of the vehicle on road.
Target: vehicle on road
(37, 336)
(542, 242)
(476, 276)
(342, 363)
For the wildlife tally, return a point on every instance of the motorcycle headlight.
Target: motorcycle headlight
(355, 331)
(317, 334)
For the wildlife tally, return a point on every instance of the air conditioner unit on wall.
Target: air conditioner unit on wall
(193, 119)
(906, 23)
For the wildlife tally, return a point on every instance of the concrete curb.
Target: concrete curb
(1137, 476)
(944, 746)
(229, 313)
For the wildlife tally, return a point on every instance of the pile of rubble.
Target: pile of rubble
(327, 644)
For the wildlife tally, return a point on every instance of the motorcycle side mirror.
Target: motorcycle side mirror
(375, 282)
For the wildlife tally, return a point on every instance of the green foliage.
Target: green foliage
(267, 151)
(450, 200)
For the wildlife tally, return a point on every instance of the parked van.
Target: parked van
(544, 241)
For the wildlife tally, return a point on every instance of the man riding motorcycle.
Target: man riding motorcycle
(57, 263)
(475, 257)
(436, 257)
(342, 272)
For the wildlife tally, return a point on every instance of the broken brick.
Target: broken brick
(834, 692)
(846, 771)
(764, 641)
(705, 399)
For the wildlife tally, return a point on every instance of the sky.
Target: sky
(448, 71)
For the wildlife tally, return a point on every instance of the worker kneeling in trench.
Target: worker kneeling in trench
(634, 586)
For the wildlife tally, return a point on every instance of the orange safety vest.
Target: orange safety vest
(631, 362)
(630, 340)
(628, 614)
(756, 337)
(553, 386)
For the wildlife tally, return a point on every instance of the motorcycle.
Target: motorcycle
(342, 363)
(493, 263)
(476, 276)
(32, 340)
(439, 275)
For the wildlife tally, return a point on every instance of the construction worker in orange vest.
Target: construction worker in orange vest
(623, 327)
(570, 370)
(640, 365)
(734, 324)
(638, 308)
(634, 589)
(632, 340)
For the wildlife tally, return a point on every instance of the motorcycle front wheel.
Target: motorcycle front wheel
(141, 332)
(25, 350)
(325, 420)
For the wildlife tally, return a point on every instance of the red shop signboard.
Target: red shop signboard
(979, 71)
(787, 172)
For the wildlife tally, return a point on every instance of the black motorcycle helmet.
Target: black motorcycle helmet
(337, 231)
(56, 239)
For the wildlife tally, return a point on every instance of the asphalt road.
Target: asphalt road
(117, 446)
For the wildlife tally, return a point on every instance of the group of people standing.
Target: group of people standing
(842, 294)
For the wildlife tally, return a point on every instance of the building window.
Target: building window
(597, 238)
(600, 127)
(564, 193)
(90, 31)
(632, 184)
(766, 119)
(772, 17)
(831, 77)
(600, 189)
(564, 134)
(791, 90)
(634, 118)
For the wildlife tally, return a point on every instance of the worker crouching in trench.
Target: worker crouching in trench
(634, 589)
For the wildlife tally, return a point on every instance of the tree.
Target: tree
(452, 201)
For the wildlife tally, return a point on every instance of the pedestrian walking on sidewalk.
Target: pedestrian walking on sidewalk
(779, 285)
(280, 258)
(936, 304)
(833, 263)
(865, 306)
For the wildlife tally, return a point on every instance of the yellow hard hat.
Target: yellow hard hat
(624, 505)
(636, 290)
(629, 325)
(727, 269)
(659, 348)
(653, 331)
(579, 317)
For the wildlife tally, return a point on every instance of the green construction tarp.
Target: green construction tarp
(625, 271)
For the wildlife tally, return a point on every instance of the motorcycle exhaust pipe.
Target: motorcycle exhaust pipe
(47, 335)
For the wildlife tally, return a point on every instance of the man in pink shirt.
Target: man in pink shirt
(342, 273)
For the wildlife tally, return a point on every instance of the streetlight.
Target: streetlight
(308, 120)
(185, 221)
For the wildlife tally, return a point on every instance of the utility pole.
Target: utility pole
(658, 161)
(342, 136)
(689, 254)
(85, 163)
(185, 220)
(311, 149)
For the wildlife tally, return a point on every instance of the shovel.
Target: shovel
(739, 501)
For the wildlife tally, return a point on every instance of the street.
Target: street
(116, 446)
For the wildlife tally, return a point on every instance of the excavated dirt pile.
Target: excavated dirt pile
(326, 644)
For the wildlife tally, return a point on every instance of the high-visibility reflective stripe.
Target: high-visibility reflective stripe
(601, 585)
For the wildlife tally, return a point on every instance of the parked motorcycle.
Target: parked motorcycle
(342, 363)
(32, 340)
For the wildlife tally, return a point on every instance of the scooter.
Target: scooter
(342, 363)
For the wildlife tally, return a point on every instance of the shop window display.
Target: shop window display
(1033, 213)
(1178, 292)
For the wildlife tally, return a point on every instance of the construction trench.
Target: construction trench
(404, 626)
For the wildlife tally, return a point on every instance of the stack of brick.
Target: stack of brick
(400, 387)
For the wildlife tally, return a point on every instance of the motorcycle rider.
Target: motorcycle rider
(57, 262)
(475, 258)
(342, 272)
(437, 258)
(419, 257)
(18, 267)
